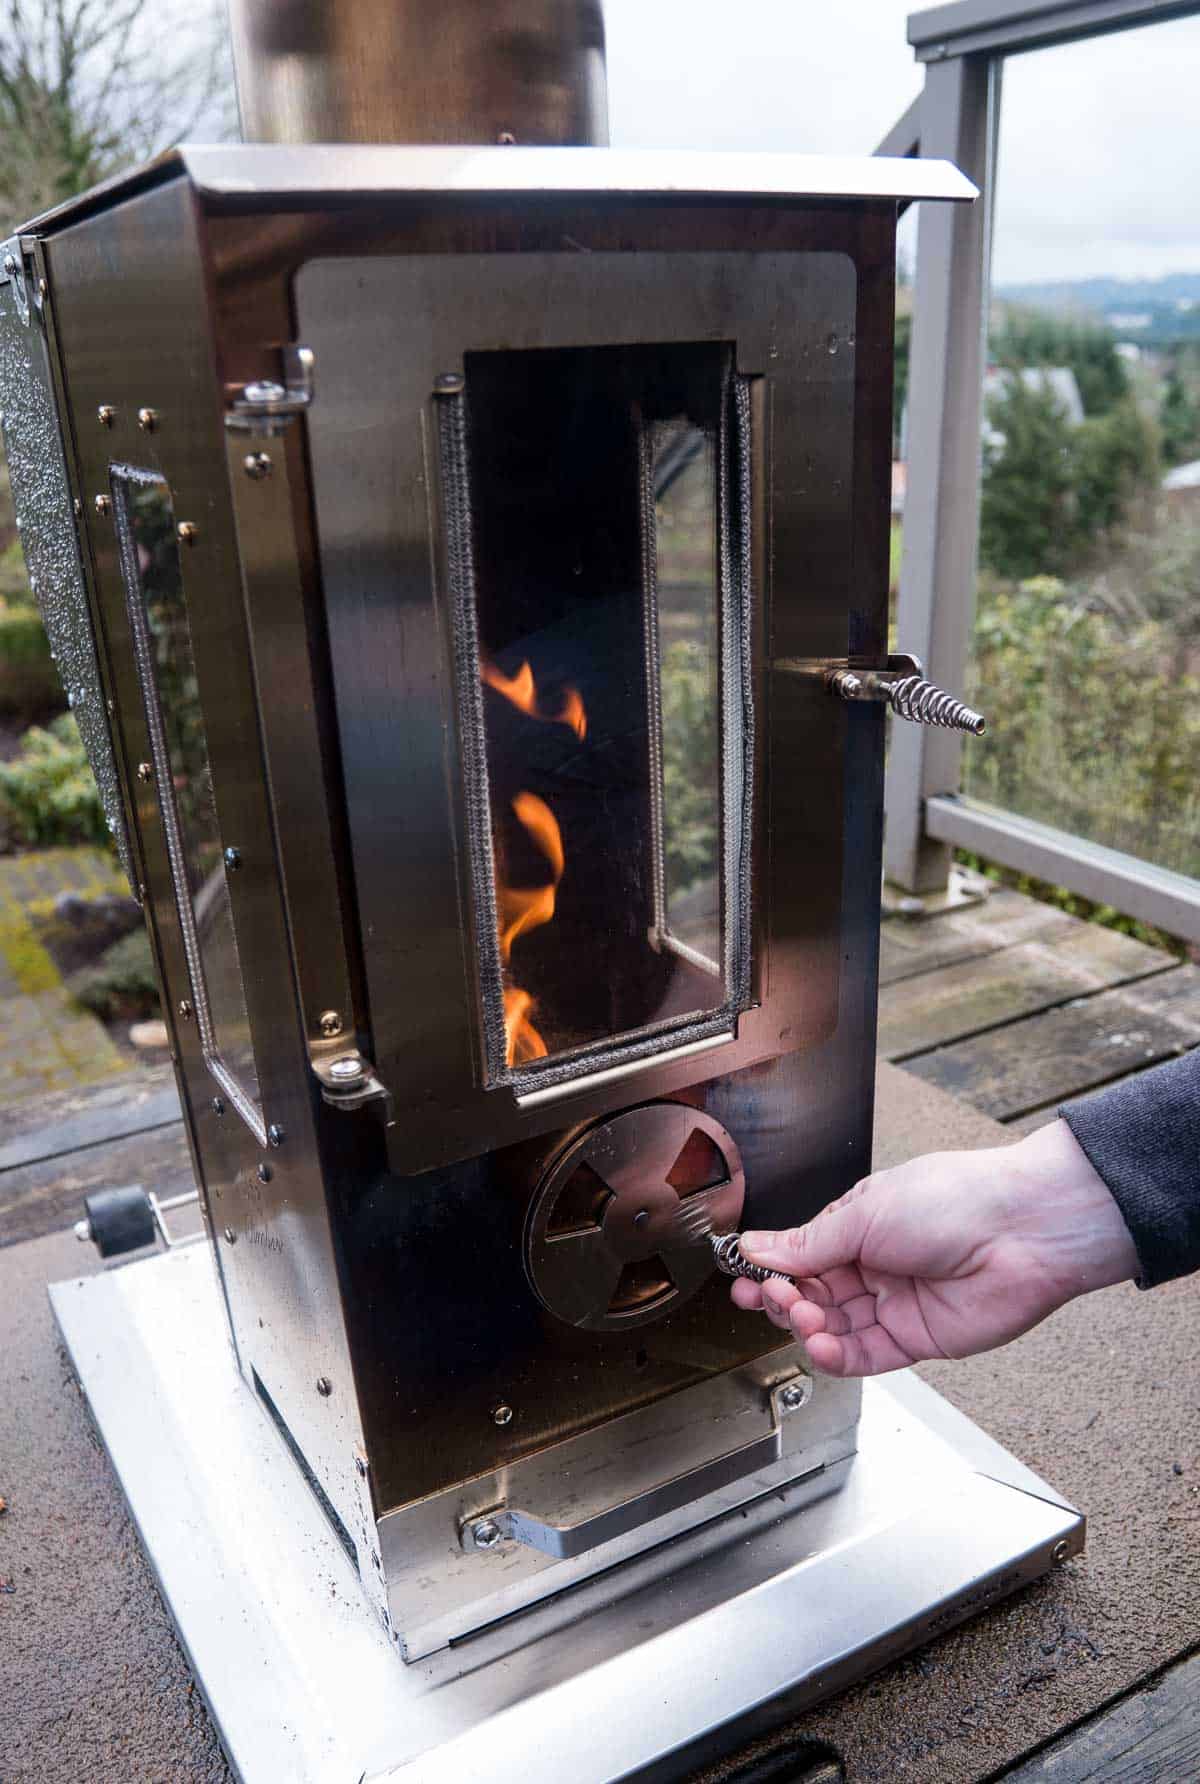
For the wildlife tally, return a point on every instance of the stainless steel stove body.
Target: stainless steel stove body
(467, 538)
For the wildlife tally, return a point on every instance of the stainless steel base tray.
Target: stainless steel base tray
(640, 1680)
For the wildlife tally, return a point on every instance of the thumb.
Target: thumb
(832, 1238)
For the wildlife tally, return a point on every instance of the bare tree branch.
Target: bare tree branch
(89, 86)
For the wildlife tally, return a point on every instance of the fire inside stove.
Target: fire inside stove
(597, 516)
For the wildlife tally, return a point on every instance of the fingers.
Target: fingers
(831, 1241)
(869, 1352)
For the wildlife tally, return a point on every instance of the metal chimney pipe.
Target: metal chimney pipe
(454, 71)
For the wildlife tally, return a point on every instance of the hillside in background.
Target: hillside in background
(1152, 312)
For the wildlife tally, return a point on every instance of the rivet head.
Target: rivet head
(187, 532)
(147, 420)
(264, 1173)
(145, 771)
(449, 384)
(502, 1414)
(230, 1236)
(360, 1465)
(1059, 1552)
(43, 290)
(106, 415)
(324, 1386)
(275, 1135)
(77, 508)
(330, 1024)
(103, 505)
(233, 859)
(218, 1105)
(257, 465)
(486, 1534)
(185, 1009)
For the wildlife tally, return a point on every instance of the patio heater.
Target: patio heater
(469, 566)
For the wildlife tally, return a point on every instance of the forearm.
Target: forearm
(1142, 1136)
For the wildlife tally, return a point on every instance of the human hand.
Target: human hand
(944, 1256)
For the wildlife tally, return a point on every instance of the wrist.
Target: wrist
(1070, 1213)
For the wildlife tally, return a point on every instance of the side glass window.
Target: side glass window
(152, 573)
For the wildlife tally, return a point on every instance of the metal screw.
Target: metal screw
(793, 1397)
(218, 1105)
(346, 1070)
(43, 290)
(360, 1463)
(145, 771)
(82, 1230)
(506, 137)
(77, 508)
(1059, 1552)
(502, 1414)
(448, 384)
(324, 1386)
(10, 264)
(257, 465)
(103, 505)
(187, 532)
(233, 859)
(264, 1172)
(275, 1135)
(486, 1534)
(147, 420)
(106, 415)
(230, 1235)
(185, 1009)
(330, 1024)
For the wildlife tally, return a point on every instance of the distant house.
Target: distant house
(1057, 381)
(1181, 486)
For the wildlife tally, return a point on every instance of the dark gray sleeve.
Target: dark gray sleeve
(1143, 1137)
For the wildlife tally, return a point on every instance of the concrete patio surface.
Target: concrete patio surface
(1103, 1401)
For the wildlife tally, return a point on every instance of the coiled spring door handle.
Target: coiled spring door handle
(903, 687)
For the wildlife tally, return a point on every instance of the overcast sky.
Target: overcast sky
(1100, 141)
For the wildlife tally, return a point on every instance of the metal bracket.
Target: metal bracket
(488, 1530)
(348, 1081)
(13, 265)
(268, 407)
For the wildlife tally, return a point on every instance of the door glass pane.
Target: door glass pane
(601, 615)
(162, 640)
(1087, 640)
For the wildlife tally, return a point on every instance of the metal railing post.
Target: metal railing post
(942, 500)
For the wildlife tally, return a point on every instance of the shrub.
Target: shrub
(29, 684)
(47, 793)
(121, 985)
(1094, 724)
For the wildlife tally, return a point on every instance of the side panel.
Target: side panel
(129, 291)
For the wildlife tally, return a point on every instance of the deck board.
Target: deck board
(952, 1001)
(1062, 1052)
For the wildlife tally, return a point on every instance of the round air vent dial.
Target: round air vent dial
(604, 1247)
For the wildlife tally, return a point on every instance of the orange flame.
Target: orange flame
(522, 908)
(522, 691)
(519, 909)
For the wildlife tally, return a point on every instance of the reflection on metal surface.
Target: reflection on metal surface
(37, 468)
(158, 620)
(392, 71)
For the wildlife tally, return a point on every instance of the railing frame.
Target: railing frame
(962, 47)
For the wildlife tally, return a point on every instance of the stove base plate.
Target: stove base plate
(934, 1522)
